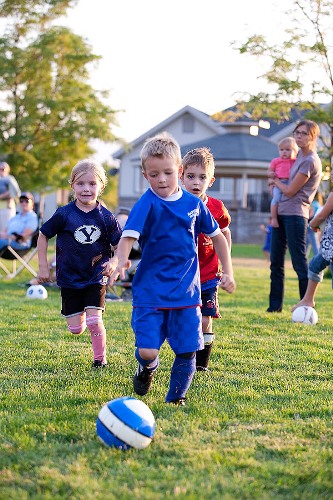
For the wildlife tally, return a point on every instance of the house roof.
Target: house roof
(225, 145)
(198, 115)
(237, 146)
(275, 127)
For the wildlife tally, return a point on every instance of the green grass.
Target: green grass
(250, 251)
(259, 425)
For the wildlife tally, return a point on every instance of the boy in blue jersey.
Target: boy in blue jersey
(166, 287)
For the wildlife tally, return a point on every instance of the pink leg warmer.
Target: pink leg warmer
(78, 329)
(98, 337)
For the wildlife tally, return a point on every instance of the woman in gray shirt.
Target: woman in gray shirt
(293, 214)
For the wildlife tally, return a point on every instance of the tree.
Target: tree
(48, 110)
(300, 77)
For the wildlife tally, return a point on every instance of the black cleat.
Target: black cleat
(202, 369)
(177, 402)
(98, 364)
(142, 380)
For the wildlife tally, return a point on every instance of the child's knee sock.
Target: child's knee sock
(150, 364)
(98, 337)
(202, 356)
(181, 376)
(78, 329)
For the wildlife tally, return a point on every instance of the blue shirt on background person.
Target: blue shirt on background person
(22, 226)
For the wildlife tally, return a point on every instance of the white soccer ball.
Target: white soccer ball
(36, 292)
(126, 423)
(306, 315)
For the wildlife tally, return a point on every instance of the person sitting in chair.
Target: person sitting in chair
(22, 226)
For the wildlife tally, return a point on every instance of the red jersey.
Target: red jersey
(208, 259)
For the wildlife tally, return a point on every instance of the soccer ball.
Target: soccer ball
(306, 315)
(36, 292)
(125, 423)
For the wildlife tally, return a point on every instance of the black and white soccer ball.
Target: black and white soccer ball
(36, 292)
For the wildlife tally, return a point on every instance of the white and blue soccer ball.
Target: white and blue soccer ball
(126, 423)
(36, 292)
(306, 315)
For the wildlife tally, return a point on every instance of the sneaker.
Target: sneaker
(142, 380)
(98, 364)
(177, 402)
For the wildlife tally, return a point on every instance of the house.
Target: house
(242, 149)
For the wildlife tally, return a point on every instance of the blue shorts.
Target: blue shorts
(180, 327)
(267, 246)
(210, 303)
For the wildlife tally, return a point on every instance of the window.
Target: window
(223, 185)
(216, 186)
(140, 183)
(188, 124)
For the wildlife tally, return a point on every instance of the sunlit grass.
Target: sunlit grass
(258, 425)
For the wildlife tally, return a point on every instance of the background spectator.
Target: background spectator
(22, 226)
(312, 237)
(9, 192)
(293, 214)
(267, 230)
(280, 168)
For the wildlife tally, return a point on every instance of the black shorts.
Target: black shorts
(210, 303)
(77, 300)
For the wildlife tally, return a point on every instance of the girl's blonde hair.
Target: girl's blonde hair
(292, 143)
(88, 166)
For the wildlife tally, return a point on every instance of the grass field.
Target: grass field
(259, 425)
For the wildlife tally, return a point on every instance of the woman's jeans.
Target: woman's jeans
(290, 234)
(317, 266)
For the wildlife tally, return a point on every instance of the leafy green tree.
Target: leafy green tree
(48, 110)
(300, 77)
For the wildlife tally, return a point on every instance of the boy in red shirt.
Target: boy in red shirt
(197, 177)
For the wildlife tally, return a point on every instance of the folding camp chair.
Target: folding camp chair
(23, 256)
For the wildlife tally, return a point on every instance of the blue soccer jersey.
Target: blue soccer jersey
(167, 228)
(83, 243)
